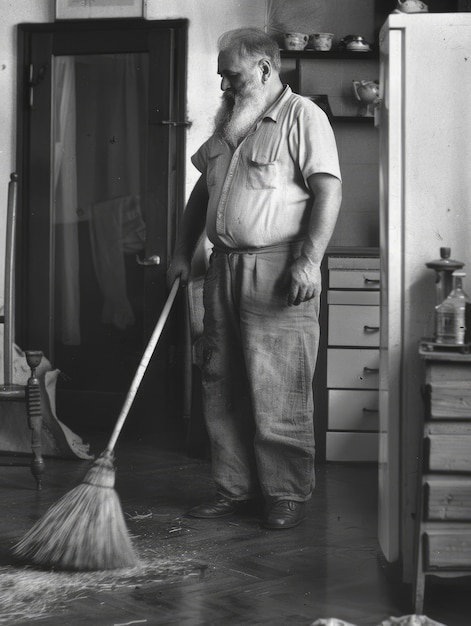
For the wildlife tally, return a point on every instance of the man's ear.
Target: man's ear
(265, 68)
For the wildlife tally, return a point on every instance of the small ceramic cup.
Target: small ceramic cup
(295, 41)
(322, 41)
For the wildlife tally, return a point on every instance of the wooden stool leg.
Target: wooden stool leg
(418, 583)
(35, 419)
(419, 580)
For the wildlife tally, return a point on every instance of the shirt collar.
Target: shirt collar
(274, 111)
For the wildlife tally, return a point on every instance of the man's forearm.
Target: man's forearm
(328, 196)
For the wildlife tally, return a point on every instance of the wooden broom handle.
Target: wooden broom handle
(9, 299)
(141, 370)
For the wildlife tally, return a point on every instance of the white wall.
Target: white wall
(12, 12)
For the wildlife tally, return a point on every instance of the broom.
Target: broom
(85, 529)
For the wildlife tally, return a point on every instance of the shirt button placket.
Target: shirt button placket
(221, 212)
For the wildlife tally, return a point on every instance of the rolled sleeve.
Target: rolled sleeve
(314, 142)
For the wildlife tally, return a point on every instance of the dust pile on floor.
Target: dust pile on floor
(28, 593)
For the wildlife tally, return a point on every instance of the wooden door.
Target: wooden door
(101, 151)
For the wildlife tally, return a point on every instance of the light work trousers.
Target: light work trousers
(257, 372)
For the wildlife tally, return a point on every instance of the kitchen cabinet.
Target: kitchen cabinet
(347, 377)
(443, 527)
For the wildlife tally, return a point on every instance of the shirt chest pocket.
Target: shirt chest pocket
(262, 172)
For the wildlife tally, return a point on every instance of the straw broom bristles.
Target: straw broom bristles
(85, 529)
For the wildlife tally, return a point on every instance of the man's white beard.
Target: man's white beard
(236, 117)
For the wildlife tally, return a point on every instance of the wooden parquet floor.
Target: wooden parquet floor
(196, 572)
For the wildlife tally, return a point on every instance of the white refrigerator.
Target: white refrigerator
(424, 122)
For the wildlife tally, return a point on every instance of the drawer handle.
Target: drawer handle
(365, 410)
(370, 370)
(370, 329)
(371, 281)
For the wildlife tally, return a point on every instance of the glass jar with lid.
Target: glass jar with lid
(450, 315)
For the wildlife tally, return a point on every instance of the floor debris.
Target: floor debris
(27, 593)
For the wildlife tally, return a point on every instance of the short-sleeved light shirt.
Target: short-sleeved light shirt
(258, 193)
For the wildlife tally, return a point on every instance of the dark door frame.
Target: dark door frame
(135, 32)
(167, 128)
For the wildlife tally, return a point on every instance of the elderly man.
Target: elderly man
(268, 197)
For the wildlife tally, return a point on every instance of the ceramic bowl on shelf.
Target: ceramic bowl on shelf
(295, 41)
(322, 42)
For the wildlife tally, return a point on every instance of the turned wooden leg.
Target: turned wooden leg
(35, 418)
(418, 584)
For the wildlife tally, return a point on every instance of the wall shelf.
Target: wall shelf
(353, 119)
(331, 54)
(331, 73)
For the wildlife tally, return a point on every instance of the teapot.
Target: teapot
(355, 43)
(367, 93)
(411, 6)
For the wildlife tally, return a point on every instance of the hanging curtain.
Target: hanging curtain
(113, 111)
(113, 124)
(65, 201)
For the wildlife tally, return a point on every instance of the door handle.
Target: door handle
(370, 329)
(151, 260)
(185, 123)
(370, 370)
(33, 81)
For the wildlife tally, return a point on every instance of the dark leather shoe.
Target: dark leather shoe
(217, 507)
(284, 514)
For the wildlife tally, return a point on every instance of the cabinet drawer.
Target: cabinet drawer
(447, 498)
(449, 453)
(354, 279)
(335, 262)
(353, 325)
(450, 400)
(353, 410)
(447, 549)
(355, 296)
(352, 368)
(351, 447)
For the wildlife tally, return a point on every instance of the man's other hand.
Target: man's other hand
(306, 281)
